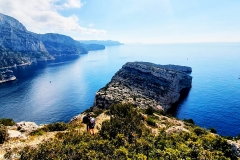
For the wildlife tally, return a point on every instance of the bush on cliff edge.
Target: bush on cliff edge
(3, 133)
(7, 121)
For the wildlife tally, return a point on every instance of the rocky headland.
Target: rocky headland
(7, 76)
(145, 84)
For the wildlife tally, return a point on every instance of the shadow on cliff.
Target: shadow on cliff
(183, 96)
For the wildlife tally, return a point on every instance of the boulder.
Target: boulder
(26, 127)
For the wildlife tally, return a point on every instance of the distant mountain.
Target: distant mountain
(102, 42)
(18, 46)
(93, 47)
(61, 45)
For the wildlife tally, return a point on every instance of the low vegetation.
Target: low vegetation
(3, 133)
(7, 121)
(128, 136)
(59, 126)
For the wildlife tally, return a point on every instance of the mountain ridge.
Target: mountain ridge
(18, 46)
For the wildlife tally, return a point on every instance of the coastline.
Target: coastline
(13, 78)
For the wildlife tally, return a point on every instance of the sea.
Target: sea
(55, 91)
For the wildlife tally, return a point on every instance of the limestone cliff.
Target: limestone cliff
(18, 46)
(145, 84)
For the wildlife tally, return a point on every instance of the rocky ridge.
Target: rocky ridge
(145, 84)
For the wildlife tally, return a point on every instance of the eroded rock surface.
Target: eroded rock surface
(145, 84)
(26, 127)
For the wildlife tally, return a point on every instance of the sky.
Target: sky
(131, 21)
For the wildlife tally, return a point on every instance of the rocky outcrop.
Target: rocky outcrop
(26, 127)
(145, 84)
(7, 76)
(235, 146)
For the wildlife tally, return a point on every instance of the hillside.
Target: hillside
(122, 132)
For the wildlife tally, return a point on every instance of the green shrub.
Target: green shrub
(150, 121)
(213, 130)
(98, 112)
(7, 121)
(189, 121)
(124, 120)
(59, 126)
(199, 131)
(37, 132)
(3, 133)
(149, 111)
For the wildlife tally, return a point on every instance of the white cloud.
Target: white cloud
(68, 4)
(43, 16)
(91, 25)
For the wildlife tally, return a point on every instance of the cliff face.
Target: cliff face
(145, 84)
(19, 46)
(15, 37)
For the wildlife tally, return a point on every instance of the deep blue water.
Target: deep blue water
(57, 91)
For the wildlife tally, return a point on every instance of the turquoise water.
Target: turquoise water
(57, 91)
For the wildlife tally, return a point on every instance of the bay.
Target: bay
(59, 90)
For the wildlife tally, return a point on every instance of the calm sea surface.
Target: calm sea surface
(57, 91)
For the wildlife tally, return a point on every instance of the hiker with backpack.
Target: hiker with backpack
(90, 123)
(86, 120)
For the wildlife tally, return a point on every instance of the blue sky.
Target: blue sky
(130, 21)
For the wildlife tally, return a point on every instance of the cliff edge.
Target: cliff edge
(145, 84)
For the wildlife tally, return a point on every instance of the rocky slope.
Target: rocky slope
(145, 84)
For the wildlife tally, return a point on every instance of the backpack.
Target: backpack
(85, 119)
(92, 121)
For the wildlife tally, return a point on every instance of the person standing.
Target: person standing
(91, 125)
(86, 120)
